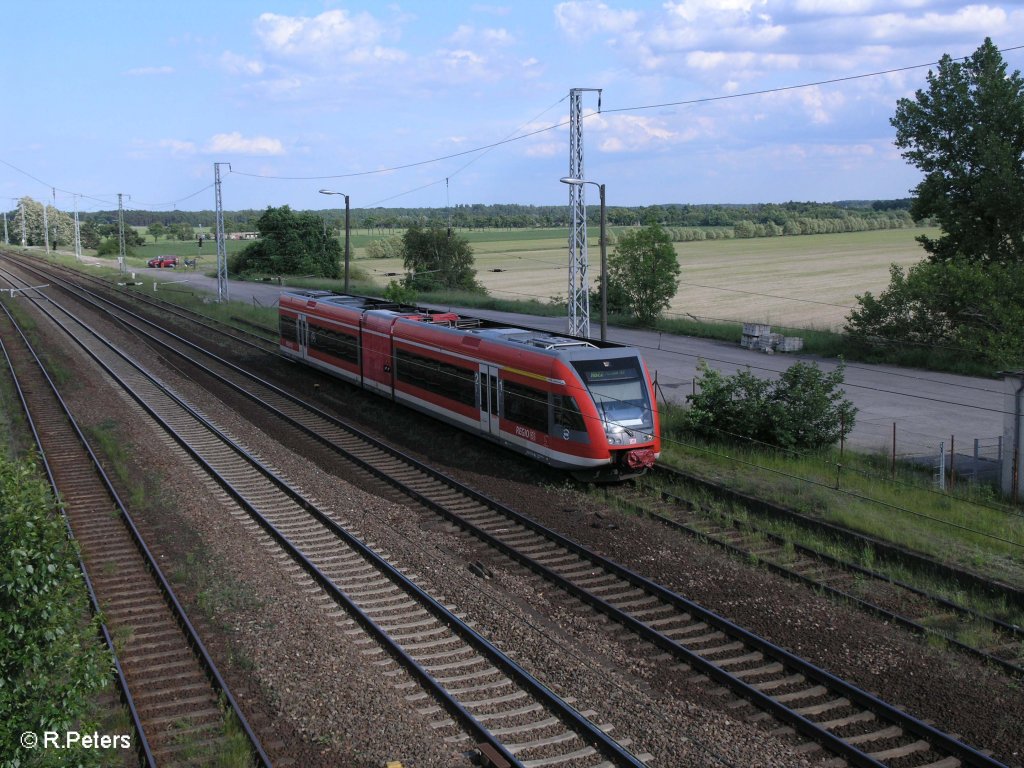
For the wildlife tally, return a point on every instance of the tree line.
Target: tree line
(718, 220)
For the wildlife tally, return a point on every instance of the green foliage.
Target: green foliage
(644, 271)
(60, 226)
(51, 659)
(180, 231)
(290, 244)
(390, 247)
(438, 259)
(156, 230)
(399, 293)
(971, 311)
(88, 234)
(966, 134)
(111, 247)
(802, 409)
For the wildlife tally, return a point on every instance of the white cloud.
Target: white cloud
(977, 19)
(580, 19)
(691, 11)
(546, 149)
(237, 144)
(735, 23)
(819, 104)
(332, 34)
(467, 35)
(177, 146)
(146, 71)
(835, 7)
(463, 65)
(237, 64)
(280, 87)
(634, 133)
(741, 61)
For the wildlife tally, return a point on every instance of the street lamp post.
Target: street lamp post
(330, 192)
(604, 254)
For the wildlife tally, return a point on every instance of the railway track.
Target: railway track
(668, 497)
(845, 720)
(171, 687)
(513, 718)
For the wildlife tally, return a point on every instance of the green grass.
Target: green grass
(106, 438)
(14, 434)
(726, 514)
(967, 530)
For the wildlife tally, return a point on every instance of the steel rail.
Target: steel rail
(809, 728)
(910, 624)
(996, 589)
(122, 682)
(604, 743)
(177, 610)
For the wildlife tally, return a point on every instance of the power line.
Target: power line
(642, 107)
(781, 89)
(765, 295)
(488, 147)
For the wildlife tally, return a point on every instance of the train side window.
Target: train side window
(287, 326)
(441, 378)
(526, 406)
(567, 414)
(494, 395)
(336, 343)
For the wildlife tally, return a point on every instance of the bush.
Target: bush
(51, 660)
(390, 247)
(802, 409)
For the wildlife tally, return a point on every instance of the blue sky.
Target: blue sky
(143, 97)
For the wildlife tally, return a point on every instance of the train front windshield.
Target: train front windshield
(619, 390)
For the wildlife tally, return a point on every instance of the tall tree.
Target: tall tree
(60, 226)
(290, 244)
(156, 230)
(438, 259)
(966, 134)
(644, 271)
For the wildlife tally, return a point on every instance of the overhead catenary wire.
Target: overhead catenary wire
(524, 135)
(635, 108)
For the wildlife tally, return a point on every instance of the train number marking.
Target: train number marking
(529, 434)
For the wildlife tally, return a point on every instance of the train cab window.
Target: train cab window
(619, 389)
(567, 414)
(526, 405)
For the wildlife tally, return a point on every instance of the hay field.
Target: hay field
(809, 281)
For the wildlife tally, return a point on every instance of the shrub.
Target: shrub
(51, 660)
(802, 409)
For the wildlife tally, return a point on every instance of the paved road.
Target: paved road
(925, 407)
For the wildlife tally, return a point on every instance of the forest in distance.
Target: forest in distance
(780, 218)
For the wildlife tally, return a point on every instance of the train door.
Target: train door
(490, 389)
(302, 335)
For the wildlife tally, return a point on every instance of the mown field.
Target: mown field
(809, 281)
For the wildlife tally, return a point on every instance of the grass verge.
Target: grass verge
(858, 492)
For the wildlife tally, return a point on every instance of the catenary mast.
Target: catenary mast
(579, 274)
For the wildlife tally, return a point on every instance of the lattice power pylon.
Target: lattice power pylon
(579, 272)
(222, 248)
(121, 250)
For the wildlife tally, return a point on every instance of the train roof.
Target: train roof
(498, 331)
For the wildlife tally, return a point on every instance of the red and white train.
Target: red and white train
(565, 401)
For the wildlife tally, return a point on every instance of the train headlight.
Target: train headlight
(616, 435)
